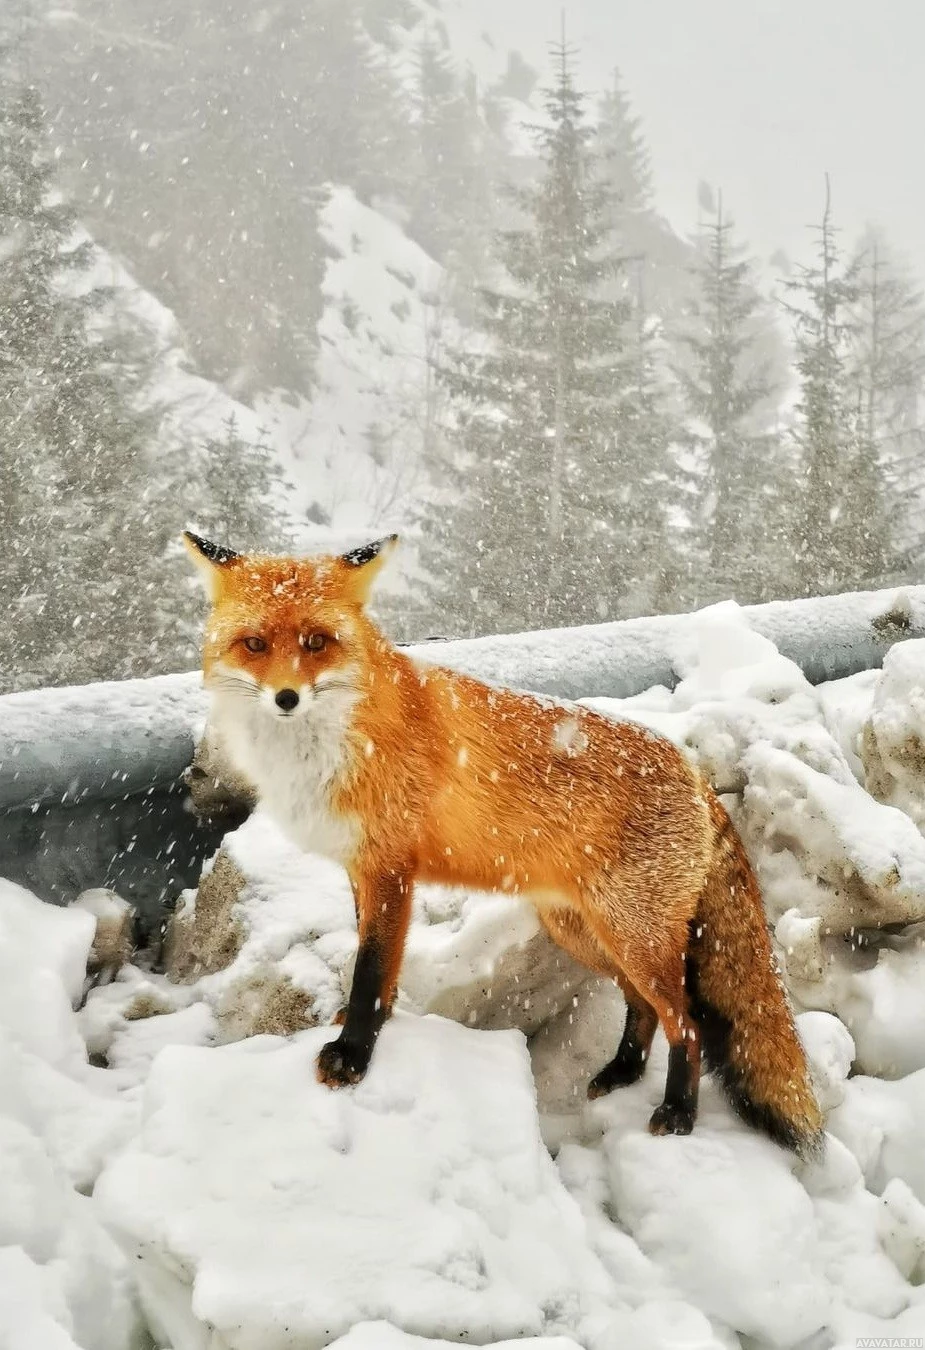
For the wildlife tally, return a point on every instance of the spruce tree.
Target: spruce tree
(448, 190)
(843, 530)
(649, 557)
(887, 372)
(648, 554)
(242, 491)
(73, 437)
(727, 387)
(539, 400)
(623, 152)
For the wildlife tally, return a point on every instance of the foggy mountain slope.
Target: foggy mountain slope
(357, 447)
(350, 457)
(194, 408)
(198, 146)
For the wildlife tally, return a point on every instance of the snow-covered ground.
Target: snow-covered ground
(204, 1186)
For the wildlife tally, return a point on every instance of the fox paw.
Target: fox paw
(341, 1063)
(615, 1075)
(671, 1119)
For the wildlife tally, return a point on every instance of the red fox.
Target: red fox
(407, 772)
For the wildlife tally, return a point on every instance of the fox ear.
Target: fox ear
(209, 559)
(363, 565)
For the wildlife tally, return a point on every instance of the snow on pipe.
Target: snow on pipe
(118, 739)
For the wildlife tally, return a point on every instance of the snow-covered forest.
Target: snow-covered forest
(297, 272)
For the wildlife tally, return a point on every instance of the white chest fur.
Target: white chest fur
(295, 763)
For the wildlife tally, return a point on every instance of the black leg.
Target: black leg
(384, 907)
(629, 1063)
(346, 1059)
(678, 1111)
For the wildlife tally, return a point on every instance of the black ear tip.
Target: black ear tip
(215, 553)
(358, 557)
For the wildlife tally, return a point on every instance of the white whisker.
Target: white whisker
(236, 685)
(320, 688)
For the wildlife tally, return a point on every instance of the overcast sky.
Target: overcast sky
(761, 97)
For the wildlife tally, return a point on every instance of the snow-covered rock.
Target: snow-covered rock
(272, 933)
(729, 1225)
(864, 862)
(257, 1202)
(767, 1240)
(420, 1208)
(892, 746)
(880, 1122)
(113, 943)
(63, 1281)
(382, 1336)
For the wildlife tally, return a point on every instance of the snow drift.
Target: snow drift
(210, 1177)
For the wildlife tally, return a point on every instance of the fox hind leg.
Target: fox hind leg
(658, 979)
(570, 930)
(629, 1063)
(678, 1110)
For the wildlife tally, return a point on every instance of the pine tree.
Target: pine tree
(649, 548)
(649, 551)
(727, 388)
(887, 372)
(242, 490)
(623, 152)
(446, 190)
(539, 400)
(73, 436)
(844, 534)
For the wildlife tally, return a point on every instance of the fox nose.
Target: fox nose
(287, 699)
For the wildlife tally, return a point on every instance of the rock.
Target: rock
(893, 738)
(218, 792)
(271, 933)
(262, 1209)
(204, 933)
(114, 940)
(263, 1003)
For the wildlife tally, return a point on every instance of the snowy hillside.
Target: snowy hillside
(357, 447)
(465, 1191)
(353, 452)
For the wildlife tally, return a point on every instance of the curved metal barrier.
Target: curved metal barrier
(90, 776)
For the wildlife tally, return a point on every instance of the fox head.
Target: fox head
(288, 632)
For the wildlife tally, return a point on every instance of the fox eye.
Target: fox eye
(314, 642)
(255, 644)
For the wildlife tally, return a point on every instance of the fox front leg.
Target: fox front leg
(383, 902)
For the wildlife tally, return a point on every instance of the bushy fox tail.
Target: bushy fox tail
(736, 994)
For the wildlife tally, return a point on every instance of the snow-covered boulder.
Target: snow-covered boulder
(271, 939)
(881, 1003)
(881, 1123)
(381, 1336)
(63, 1281)
(893, 738)
(829, 850)
(217, 791)
(724, 1226)
(734, 1270)
(734, 690)
(261, 1205)
(114, 938)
